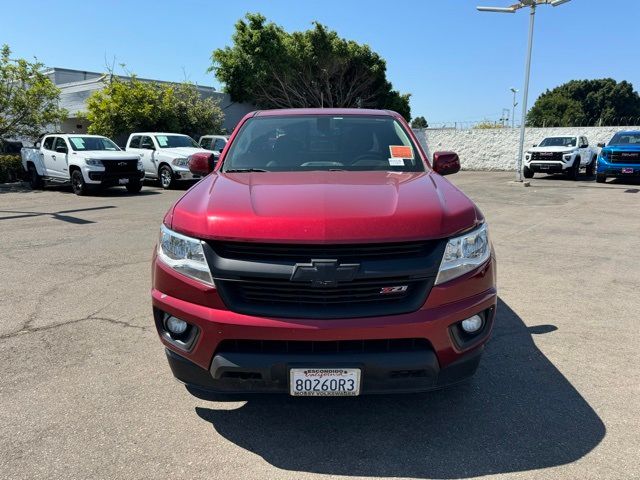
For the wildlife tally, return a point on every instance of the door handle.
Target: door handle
(53, 157)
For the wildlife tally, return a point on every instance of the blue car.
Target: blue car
(620, 158)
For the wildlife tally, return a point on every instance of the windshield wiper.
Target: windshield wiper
(244, 170)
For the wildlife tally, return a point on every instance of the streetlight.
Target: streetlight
(515, 104)
(532, 4)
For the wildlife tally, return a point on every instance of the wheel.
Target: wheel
(574, 170)
(35, 180)
(591, 168)
(601, 178)
(77, 183)
(134, 186)
(165, 175)
(527, 172)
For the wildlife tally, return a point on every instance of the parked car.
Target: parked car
(165, 156)
(215, 143)
(324, 255)
(84, 161)
(561, 155)
(621, 157)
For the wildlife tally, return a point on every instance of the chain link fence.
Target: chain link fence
(598, 121)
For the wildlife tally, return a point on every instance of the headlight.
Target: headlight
(184, 254)
(603, 154)
(528, 156)
(464, 253)
(94, 162)
(567, 156)
(180, 162)
(140, 166)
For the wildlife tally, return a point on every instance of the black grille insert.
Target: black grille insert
(551, 156)
(335, 346)
(625, 157)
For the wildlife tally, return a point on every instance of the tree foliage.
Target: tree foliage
(585, 103)
(272, 68)
(128, 105)
(419, 122)
(28, 98)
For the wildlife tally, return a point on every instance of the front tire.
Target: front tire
(35, 180)
(165, 175)
(134, 187)
(591, 168)
(601, 178)
(78, 184)
(574, 171)
(527, 172)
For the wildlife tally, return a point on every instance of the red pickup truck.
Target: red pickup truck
(324, 255)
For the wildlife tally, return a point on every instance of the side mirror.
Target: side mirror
(201, 163)
(584, 145)
(601, 145)
(446, 163)
(535, 144)
(61, 149)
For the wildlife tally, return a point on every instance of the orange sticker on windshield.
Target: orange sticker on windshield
(401, 151)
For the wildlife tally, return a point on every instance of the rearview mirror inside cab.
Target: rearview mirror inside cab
(202, 163)
(446, 163)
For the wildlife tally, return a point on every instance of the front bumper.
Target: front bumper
(98, 176)
(206, 367)
(618, 170)
(548, 167)
(182, 173)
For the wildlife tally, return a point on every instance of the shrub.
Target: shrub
(10, 168)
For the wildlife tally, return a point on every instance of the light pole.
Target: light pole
(515, 104)
(532, 4)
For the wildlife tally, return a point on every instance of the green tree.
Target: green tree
(128, 105)
(28, 98)
(419, 122)
(272, 68)
(585, 103)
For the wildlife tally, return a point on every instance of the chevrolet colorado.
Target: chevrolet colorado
(324, 255)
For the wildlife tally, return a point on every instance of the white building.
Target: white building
(76, 86)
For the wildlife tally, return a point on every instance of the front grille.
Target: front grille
(550, 156)
(625, 157)
(306, 252)
(127, 167)
(384, 279)
(337, 346)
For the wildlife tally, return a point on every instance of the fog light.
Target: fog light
(175, 325)
(472, 324)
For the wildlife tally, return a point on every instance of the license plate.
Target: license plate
(544, 166)
(123, 181)
(627, 170)
(324, 382)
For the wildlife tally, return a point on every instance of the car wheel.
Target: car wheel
(134, 186)
(165, 174)
(77, 183)
(574, 170)
(591, 168)
(601, 178)
(527, 172)
(35, 180)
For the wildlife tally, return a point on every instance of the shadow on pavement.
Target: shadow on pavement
(61, 215)
(518, 413)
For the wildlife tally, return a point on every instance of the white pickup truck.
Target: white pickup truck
(561, 155)
(165, 156)
(84, 161)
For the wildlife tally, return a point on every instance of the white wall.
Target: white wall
(496, 149)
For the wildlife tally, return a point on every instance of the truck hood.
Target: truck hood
(107, 155)
(551, 149)
(182, 151)
(324, 207)
(622, 148)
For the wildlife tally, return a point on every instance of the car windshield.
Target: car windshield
(173, 141)
(323, 142)
(558, 142)
(630, 138)
(90, 144)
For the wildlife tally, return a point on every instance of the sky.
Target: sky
(457, 63)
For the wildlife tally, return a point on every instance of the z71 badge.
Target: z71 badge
(398, 289)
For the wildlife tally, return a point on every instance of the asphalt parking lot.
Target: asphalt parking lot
(86, 391)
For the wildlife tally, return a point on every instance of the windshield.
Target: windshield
(173, 141)
(90, 144)
(631, 138)
(323, 142)
(558, 142)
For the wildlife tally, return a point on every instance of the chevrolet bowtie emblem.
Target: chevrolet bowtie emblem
(324, 273)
